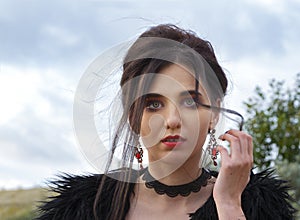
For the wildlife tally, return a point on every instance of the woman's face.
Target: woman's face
(173, 126)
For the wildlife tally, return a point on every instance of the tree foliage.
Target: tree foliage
(273, 119)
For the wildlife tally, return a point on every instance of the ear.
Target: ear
(215, 115)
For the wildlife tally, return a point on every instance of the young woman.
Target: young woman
(172, 89)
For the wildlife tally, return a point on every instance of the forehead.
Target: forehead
(173, 80)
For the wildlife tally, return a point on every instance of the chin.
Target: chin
(172, 158)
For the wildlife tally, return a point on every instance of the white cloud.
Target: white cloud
(60, 35)
(18, 87)
(244, 21)
(36, 135)
(23, 86)
(249, 72)
(273, 6)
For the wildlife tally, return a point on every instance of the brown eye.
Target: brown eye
(153, 105)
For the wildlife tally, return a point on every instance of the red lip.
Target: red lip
(173, 140)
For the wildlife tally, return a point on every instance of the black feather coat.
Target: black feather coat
(265, 197)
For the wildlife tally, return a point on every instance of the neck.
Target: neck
(166, 174)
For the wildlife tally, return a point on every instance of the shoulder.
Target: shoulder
(74, 196)
(266, 196)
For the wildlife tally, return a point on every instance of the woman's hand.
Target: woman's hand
(234, 174)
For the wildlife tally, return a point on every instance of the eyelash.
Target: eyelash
(149, 104)
(194, 104)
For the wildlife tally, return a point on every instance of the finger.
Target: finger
(250, 143)
(234, 141)
(223, 152)
(250, 150)
(246, 147)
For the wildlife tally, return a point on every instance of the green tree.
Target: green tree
(273, 120)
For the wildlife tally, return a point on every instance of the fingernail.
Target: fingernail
(221, 138)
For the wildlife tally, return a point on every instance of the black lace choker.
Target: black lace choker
(173, 191)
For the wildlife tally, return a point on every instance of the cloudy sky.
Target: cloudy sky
(45, 47)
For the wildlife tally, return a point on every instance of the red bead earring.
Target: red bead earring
(212, 146)
(138, 153)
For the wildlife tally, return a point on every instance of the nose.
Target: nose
(173, 118)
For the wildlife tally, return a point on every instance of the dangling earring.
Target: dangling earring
(212, 146)
(138, 153)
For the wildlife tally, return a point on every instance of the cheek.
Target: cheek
(198, 126)
(152, 129)
(203, 131)
(199, 119)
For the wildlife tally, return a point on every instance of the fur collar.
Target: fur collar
(265, 197)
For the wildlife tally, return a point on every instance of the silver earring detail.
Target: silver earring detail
(212, 146)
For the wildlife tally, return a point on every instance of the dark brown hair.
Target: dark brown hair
(132, 96)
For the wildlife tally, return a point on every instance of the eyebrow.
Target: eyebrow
(155, 95)
(191, 93)
(184, 93)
